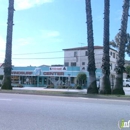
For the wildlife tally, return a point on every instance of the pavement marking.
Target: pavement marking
(5, 99)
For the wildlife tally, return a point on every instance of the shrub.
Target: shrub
(78, 87)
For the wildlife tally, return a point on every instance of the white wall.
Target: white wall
(69, 57)
(1, 71)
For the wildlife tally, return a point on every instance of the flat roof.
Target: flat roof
(86, 47)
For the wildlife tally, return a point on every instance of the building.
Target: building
(44, 76)
(79, 57)
(31, 76)
(1, 69)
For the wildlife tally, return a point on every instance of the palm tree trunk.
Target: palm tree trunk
(105, 87)
(118, 88)
(92, 87)
(8, 56)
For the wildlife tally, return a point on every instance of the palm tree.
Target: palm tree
(118, 87)
(116, 42)
(105, 87)
(92, 88)
(8, 56)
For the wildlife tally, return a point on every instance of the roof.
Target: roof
(1, 64)
(85, 47)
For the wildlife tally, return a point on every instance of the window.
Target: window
(83, 68)
(83, 63)
(117, 56)
(113, 55)
(73, 63)
(75, 54)
(86, 53)
(111, 66)
(66, 63)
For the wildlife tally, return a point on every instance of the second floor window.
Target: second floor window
(113, 55)
(86, 53)
(111, 66)
(75, 54)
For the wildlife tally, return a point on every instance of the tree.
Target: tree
(105, 87)
(127, 70)
(8, 56)
(118, 86)
(92, 88)
(82, 78)
(115, 43)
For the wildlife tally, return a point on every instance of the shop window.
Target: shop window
(45, 80)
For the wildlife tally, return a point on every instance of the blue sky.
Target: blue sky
(53, 25)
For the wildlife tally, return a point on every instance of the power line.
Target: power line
(38, 53)
(50, 57)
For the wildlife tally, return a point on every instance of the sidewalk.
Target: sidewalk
(83, 91)
(64, 93)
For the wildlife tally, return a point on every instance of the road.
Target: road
(31, 112)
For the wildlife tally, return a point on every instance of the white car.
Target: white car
(126, 82)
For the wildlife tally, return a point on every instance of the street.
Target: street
(31, 112)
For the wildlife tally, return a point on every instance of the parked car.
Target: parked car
(126, 82)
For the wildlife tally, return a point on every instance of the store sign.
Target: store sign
(37, 71)
(53, 73)
(21, 72)
(58, 68)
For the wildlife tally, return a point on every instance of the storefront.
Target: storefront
(44, 76)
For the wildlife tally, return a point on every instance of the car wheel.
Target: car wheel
(127, 85)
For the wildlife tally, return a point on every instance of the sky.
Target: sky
(43, 28)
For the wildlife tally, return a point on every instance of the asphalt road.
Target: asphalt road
(31, 112)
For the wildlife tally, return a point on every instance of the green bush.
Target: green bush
(78, 87)
(1, 77)
(50, 86)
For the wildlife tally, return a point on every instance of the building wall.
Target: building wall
(1, 71)
(81, 57)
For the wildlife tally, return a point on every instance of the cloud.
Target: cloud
(23, 41)
(26, 4)
(50, 34)
(2, 49)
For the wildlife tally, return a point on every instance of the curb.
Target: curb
(66, 94)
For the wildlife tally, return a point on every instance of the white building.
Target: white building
(1, 69)
(79, 57)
